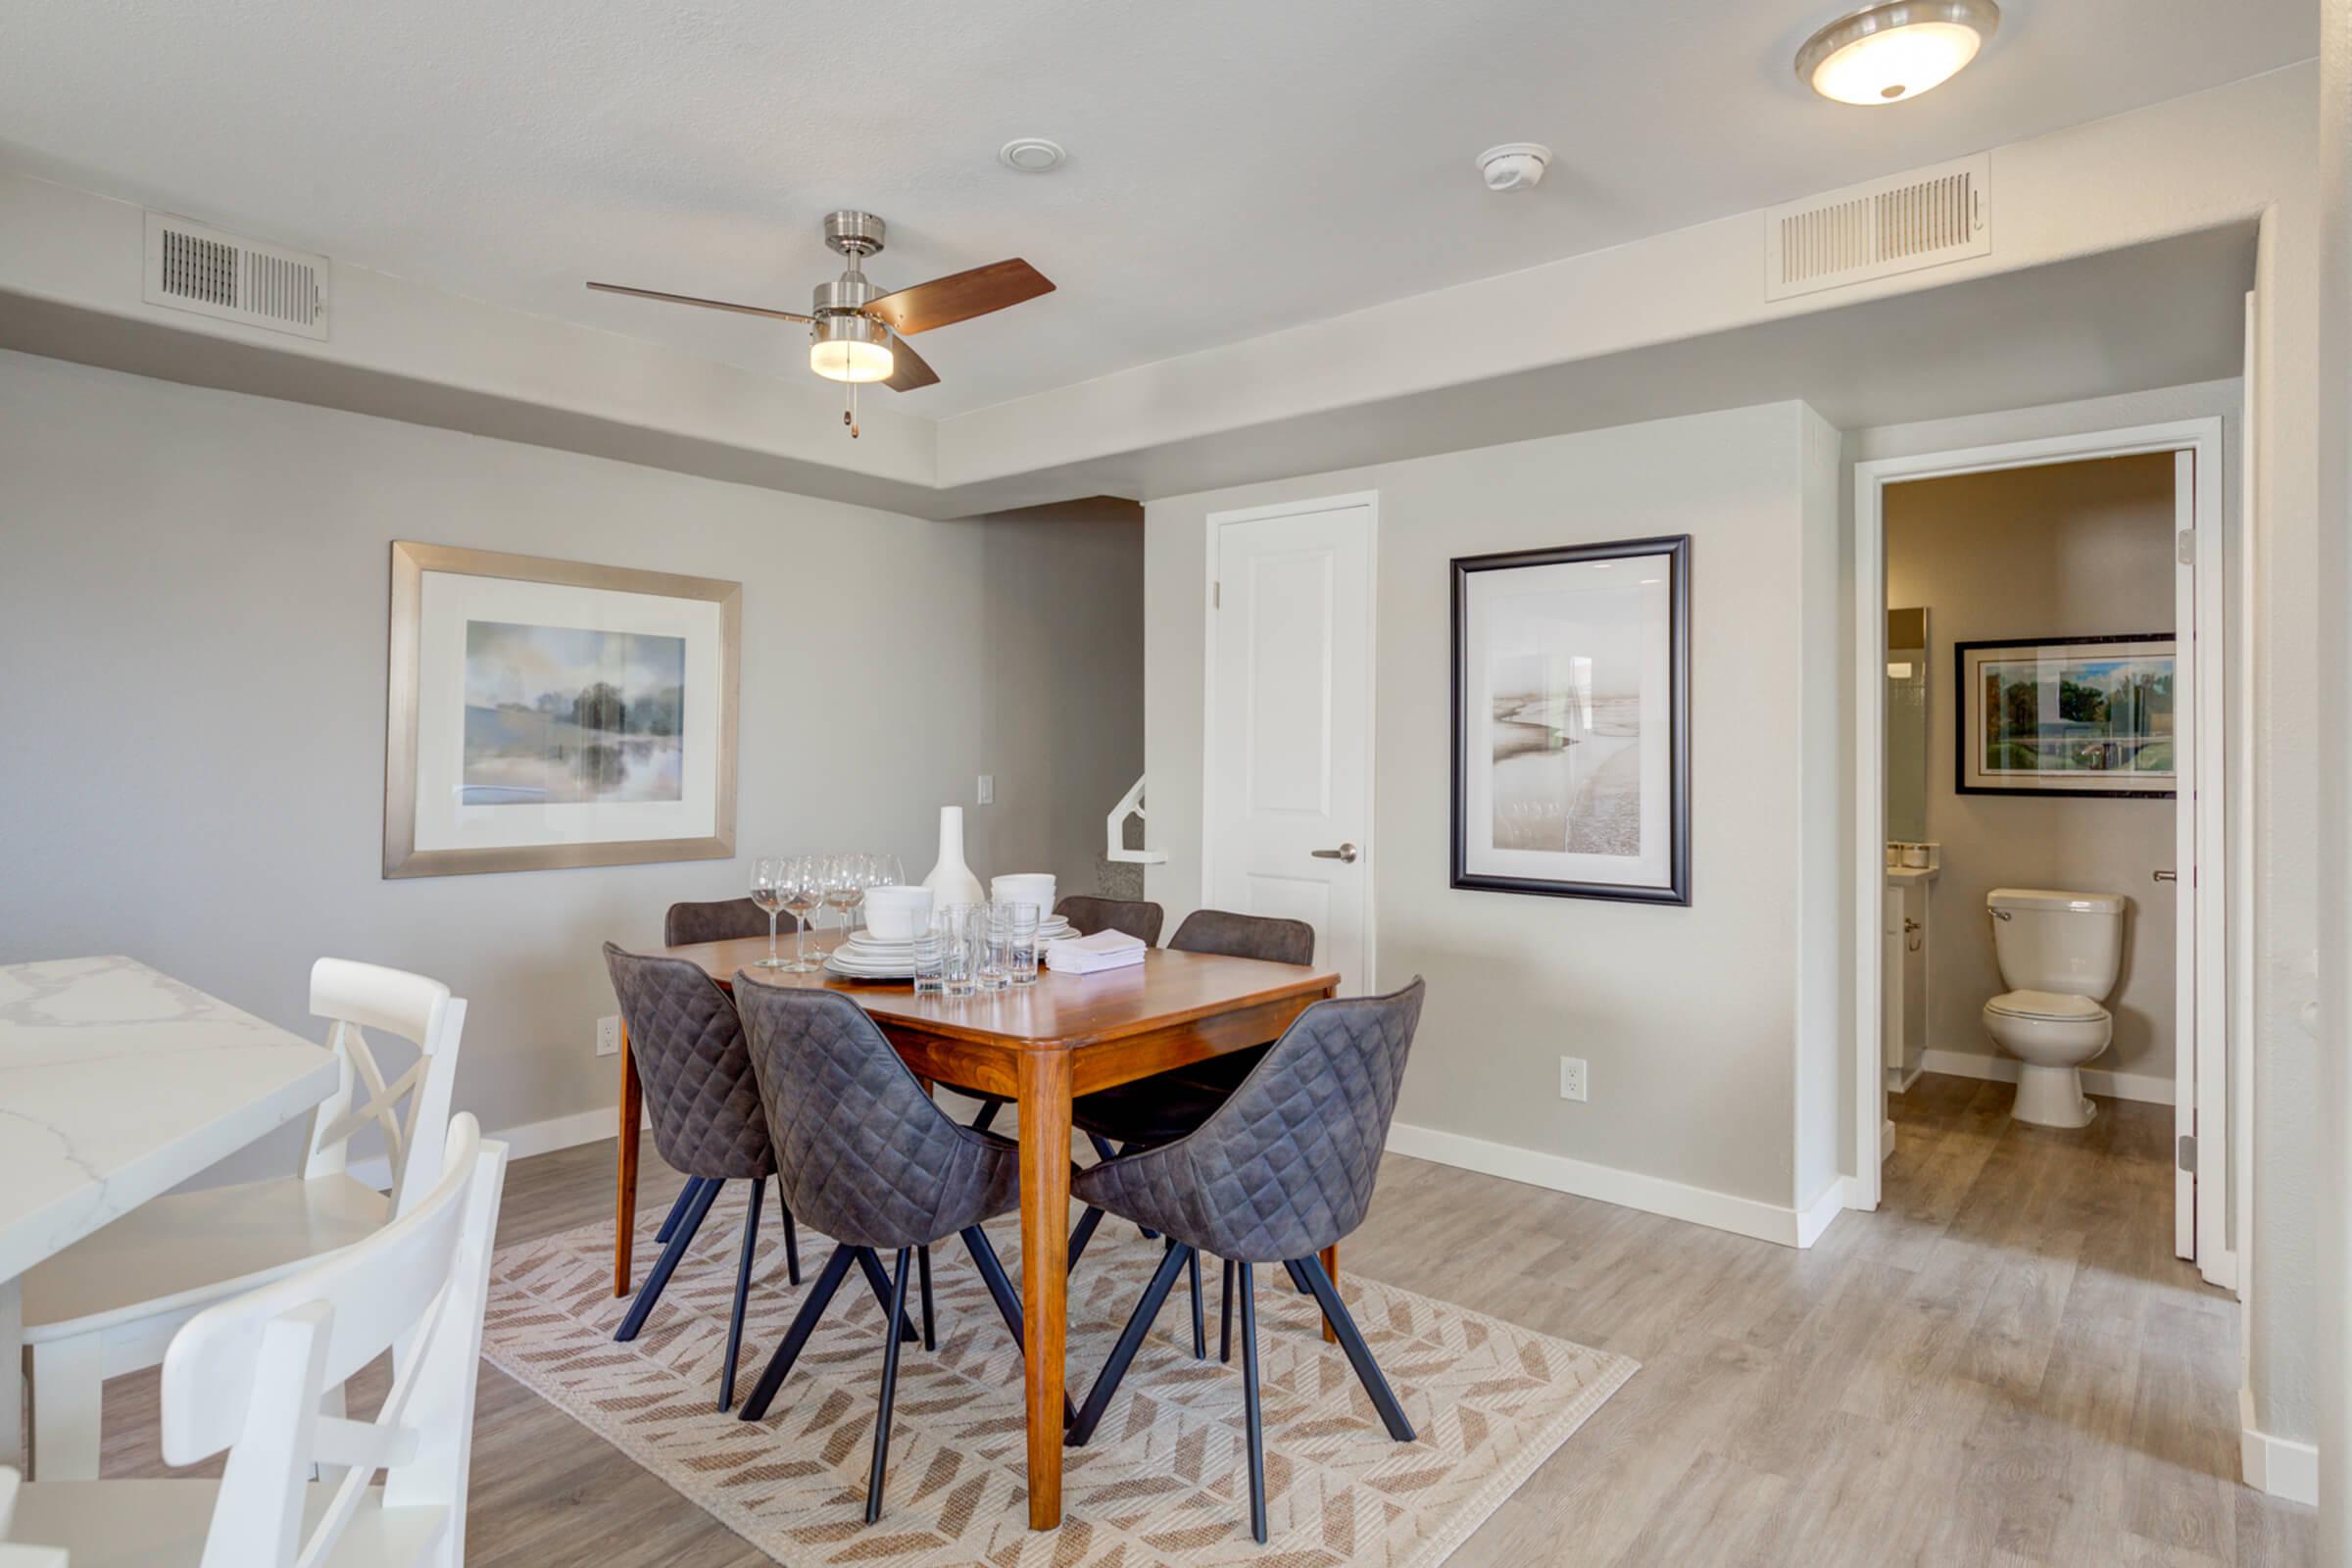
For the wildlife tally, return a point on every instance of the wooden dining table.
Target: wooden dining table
(1035, 1046)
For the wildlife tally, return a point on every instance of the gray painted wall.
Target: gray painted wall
(2076, 550)
(1690, 1017)
(192, 625)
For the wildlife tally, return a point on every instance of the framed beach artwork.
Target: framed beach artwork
(1571, 722)
(2085, 715)
(550, 713)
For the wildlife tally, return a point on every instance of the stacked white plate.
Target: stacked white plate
(865, 956)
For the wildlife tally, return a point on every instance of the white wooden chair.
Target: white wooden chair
(250, 1375)
(111, 1302)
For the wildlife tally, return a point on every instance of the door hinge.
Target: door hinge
(2184, 546)
(2188, 1153)
(1216, 596)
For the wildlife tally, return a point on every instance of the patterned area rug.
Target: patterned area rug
(1162, 1482)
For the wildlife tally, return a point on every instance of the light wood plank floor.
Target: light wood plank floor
(2004, 1365)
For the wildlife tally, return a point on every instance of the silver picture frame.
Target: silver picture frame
(411, 561)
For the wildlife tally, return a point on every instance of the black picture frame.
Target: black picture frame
(1962, 740)
(1677, 889)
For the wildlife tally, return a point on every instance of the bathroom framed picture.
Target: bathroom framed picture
(546, 714)
(1572, 721)
(2081, 716)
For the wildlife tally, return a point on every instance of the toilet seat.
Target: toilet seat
(2051, 1006)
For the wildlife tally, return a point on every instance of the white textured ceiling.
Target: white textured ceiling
(1236, 165)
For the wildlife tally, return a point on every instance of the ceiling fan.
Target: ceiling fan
(856, 333)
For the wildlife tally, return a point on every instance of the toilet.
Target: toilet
(2059, 953)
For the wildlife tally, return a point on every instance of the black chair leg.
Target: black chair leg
(923, 1263)
(1085, 1233)
(988, 1114)
(1360, 1355)
(792, 1241)
(803, 1323)
(1131, 1339)
(694, 1183)
(1104, 1150)
(880, 1282)
(1225, 1319)
(743, 1291)
(999, 1289)
(1253, 1417)
(679, 1240)
(889, 1391)
(1298, 1277)
(1199, 1310)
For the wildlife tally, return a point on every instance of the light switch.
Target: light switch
(988, 789)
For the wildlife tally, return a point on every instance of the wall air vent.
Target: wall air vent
(1899, 224)
(192, 267)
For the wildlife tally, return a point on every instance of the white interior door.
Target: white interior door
(1289, 785)
(2184, 850)
(2200, 713)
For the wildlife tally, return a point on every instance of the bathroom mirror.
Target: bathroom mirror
(1907, 725)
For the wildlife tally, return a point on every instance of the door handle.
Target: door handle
(1344, 853)
(2168, 876)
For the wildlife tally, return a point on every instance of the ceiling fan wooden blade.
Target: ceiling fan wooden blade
(707, 305)
(960, 296)
(907, 370)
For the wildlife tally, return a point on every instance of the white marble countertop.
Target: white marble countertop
(1898, 875)
(117, 1083)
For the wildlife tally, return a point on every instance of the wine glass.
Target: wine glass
(881, 871)
(770, 874)
(844, 889)
(803, 896)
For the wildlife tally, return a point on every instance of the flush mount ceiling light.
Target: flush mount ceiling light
(1897, 49)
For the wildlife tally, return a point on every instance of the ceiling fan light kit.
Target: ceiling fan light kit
(858, 334)
(1896, 49)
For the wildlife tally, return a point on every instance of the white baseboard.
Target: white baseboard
(1885, 1141)
(2141, 1086)
(531, 1138)
(1655, 1195)
(2279, 1466)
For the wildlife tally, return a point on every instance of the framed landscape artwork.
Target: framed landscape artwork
(2091, 715)
(1571, 722)
(550, 713)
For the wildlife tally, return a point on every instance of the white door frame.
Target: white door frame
(2218, 648)
(1212, 531)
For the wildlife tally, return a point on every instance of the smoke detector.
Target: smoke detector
(1514, 166)
(1031, 155)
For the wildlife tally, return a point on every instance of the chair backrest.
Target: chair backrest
(1139, 919)
(862, 1152)
(1246, 936)
(1286, 1166)
(723, 921)
(691, 1058)
(359, 997)
(248, 1375)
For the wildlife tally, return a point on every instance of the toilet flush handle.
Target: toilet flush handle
(2168, 876)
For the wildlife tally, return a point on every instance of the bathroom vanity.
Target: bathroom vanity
(1904, 973)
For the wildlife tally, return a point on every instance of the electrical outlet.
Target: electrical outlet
(608, 1036)
(988, 789)
(1571, 1078)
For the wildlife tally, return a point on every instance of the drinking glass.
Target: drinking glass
(768, 876)
(844, 888)
(1021, 922)
(804, 894)
(958, 956)
(927, 958)
(996, 948)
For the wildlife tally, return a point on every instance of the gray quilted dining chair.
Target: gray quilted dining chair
(718, 920)
(689, 1050)
(1282, 1169)
(1138, 918)
(865, 1156)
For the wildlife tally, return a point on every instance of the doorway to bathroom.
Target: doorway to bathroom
(2043, 690)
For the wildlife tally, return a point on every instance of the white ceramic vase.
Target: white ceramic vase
(951, 881)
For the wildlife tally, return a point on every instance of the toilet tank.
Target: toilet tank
(2048, 940)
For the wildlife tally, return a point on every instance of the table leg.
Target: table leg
(624, 1198)
(12, 1374)
(1330, 1266)
(1045, 1111)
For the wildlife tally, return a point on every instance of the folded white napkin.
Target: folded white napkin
(1105, 949)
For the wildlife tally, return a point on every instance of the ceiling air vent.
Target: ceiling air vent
(192, 267)
(1900, 224)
